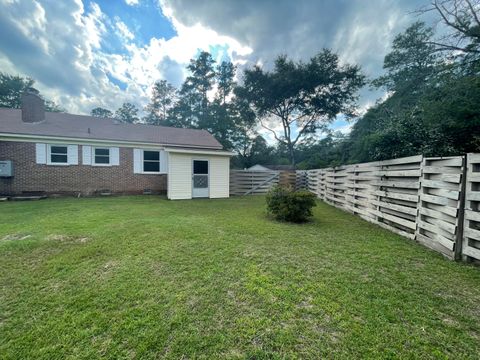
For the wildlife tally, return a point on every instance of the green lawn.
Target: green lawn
(143, 277)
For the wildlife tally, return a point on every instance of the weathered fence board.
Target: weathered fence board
(438, 221)
(471, 233)
(244, 182)
(301, 181)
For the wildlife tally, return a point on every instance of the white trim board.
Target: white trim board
(200, 152)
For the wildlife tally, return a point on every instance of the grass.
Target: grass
(143, 277)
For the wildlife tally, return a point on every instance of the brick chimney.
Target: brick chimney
(33, 106)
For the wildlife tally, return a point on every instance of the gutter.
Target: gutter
(204, 152)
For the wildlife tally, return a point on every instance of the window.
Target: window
(58, 154)
(200, 167)
(101, 156)
(151, 161)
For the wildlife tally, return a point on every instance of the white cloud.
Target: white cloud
(60, 43)
(123, 31)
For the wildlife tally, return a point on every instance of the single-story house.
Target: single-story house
(57, 153)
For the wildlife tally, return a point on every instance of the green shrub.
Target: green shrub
(288, 205)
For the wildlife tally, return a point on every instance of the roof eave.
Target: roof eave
(30, 137)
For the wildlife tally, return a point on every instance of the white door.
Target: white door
(200, 180)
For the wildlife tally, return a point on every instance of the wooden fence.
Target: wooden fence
(245, 182)
(471, 232)
(435, 201)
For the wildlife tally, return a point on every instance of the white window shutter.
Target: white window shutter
(137, 161)
(114, 156)
(163, 161)
(72, 154)
(41, 153)
(86, 155)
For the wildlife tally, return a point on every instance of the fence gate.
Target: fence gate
(245, 182)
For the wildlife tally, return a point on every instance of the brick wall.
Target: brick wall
(30, 177)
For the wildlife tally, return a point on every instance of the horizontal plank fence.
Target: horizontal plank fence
(433, 200)
(255, 182)
(301, 180)
(439, 213)
(246, 182)
(471, 231)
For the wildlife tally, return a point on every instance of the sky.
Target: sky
(85, 54)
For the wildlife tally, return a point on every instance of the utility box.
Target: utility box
(6, 168)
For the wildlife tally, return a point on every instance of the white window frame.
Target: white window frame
(159, 161)
(49, 155)
(94, 163)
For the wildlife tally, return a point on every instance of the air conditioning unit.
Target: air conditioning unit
(6, 168)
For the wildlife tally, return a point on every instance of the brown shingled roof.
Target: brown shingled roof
(89, 127)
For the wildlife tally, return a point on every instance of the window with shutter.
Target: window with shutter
(58, 154)
(101, 156)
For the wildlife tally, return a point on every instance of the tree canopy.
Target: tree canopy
(301, 97)
(101, 112)
(127, 113)
(13, 86)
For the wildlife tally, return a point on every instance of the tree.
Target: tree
(101, 112)
(432, 107)
(412, 61)
(225, 78)
(199, 107)
(223, 112)
(245, 140)
(301, 97)
(13, 86)
(161, 103)
(192, 109)
(462, 19)
(395, 127)
(127, 113)
(11, 89)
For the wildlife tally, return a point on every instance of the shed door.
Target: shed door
(200, 180)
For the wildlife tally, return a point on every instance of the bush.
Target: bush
(288, 205)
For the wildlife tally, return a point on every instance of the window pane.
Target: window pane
(102, 160)
(151, 155)
(153, 166)
(102, 152)
(58, 149)
(58, 159)
(200, 167)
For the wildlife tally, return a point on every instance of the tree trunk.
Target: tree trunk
(292, 155)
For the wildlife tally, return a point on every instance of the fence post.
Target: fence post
(419, 201)
(461, 211)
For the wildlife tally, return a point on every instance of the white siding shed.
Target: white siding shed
(213, 175)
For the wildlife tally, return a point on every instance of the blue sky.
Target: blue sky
(144, 19)
(84, 54)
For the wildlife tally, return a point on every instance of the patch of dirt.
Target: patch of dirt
(10, 237)
(110, 264)
(306, 304)
(67, 238)
(450, 322)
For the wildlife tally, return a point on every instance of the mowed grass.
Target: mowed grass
(143, 277)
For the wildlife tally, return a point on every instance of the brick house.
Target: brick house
(58, 153)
